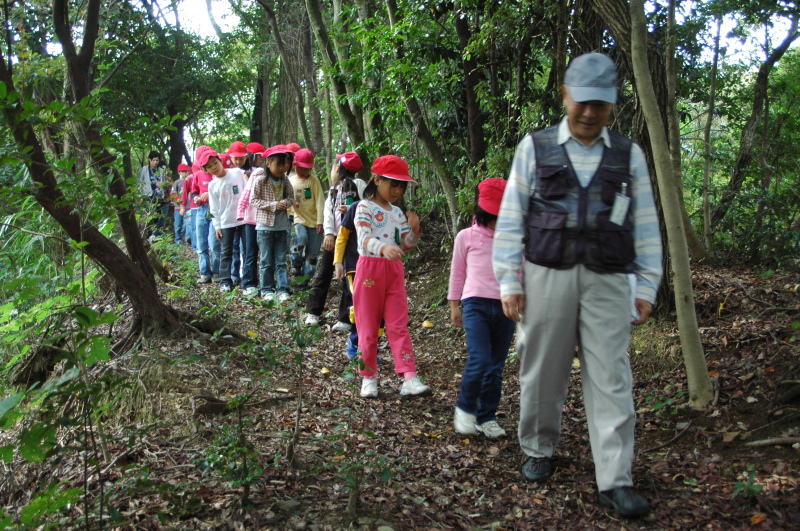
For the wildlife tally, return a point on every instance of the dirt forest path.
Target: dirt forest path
(190, 467)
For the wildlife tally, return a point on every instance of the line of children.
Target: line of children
(488, 330)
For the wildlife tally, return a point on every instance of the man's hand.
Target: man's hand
(339, 271)
(644, 309)
(328, 242)
(320, 230)
(219, 234)
(513, 306)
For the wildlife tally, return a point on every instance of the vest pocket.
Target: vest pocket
(545, 236)
(612, 184)
(551, 181)
(614, 242)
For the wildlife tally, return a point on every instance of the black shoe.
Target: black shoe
(537, 469)
(626, 501)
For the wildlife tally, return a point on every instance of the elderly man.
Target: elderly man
(579, 206)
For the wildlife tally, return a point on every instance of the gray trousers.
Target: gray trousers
(565, 308)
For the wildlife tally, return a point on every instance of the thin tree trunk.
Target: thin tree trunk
(708, 234)
(423, 132)
(477, 141)
(351, 122)
(312, 91)
(700, 388)
(696, 247)
(289, 72)
(749, 132)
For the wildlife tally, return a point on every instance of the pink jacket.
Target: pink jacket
(471, 273)
(247, 212)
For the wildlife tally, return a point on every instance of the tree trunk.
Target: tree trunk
(293, 82)
(477, 141)
(312, 92)
(616, 15)
(133, 273)
(749, 132)
(700, 388)
(423, 132)
(708, 233)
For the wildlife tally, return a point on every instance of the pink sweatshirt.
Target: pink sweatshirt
(471, 272)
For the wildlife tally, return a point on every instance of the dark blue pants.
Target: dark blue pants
(250, 266)
(489, 334)
(226, 253)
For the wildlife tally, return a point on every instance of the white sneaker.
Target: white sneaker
(369, 388)
(283, 297)
(268, 296)
(491, 429)
(250, 292)
(414, 387)
(311, 319)
(204, 279)
(341, 327)
(224, 288)
(464, 422)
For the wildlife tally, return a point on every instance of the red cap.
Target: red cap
(392, 167)
(490, 194)
(237, 149)
(293, 147)
(184, 167)
(226, 160)
(274, 150)
(202, 155)
(304, 158)
(351, 161)
(255, 148)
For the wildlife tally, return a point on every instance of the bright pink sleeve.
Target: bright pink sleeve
(244, 204)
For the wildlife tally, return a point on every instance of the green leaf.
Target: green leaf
(48, 502)
(36, 442)
(7, 454)
(8, 403)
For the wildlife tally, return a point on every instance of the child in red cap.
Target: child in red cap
(379, 292)
(345, 190)
(488, 330)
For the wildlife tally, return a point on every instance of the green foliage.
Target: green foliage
(747, 488)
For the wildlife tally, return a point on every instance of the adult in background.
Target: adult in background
(580, 205)
(151, 181)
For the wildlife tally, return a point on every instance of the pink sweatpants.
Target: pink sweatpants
(380, 293)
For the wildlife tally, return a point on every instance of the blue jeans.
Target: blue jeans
(204, 232)
(272, 244)
(188, 226)
(250, 269)
(178, 225)
(489, 334)
(226, 277)
(306, 249)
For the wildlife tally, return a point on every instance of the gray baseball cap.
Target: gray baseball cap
(592, 77)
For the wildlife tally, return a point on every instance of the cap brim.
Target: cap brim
(395, 177)
(582, 94)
